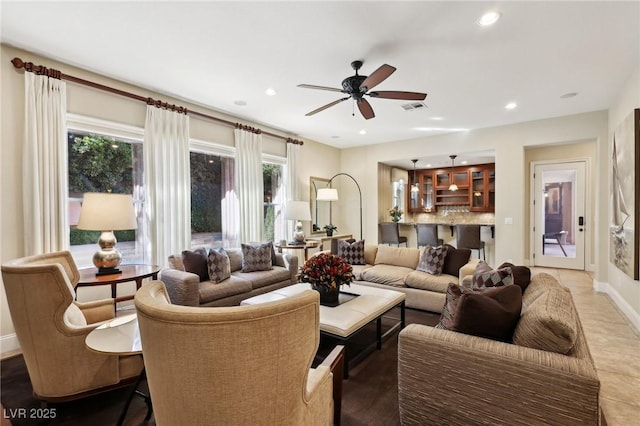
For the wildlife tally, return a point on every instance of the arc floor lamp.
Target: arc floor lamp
(331, 194)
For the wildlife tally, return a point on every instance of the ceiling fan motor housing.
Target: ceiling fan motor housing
(351, 85)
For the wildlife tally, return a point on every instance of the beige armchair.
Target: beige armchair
(51, 329)
(240, 365)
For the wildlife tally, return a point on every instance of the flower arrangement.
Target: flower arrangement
(396, 214)
(327, 270)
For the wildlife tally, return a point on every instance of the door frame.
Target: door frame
(590, 223)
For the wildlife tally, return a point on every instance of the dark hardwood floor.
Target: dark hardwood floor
(370, 395)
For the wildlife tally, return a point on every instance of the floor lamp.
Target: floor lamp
(331, 194)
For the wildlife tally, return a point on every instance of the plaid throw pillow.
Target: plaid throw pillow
(454, 291)
(219, 265)
(432, 260)
(353, 253)
(256, 258)
(484, 276)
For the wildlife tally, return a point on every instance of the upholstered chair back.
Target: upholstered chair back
(240, 365)
(427, 234)
(390, 234)
(51, 328)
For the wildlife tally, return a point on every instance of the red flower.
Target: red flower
(327, 270)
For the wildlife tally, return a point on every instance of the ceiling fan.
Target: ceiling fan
(357, 86)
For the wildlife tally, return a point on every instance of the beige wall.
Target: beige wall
(622, 289)
(317, 159)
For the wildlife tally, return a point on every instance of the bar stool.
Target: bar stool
(428, 235)
(468, 236)
(390, 234)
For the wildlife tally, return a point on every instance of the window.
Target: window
(213, 201)
(103, 163)
(273, 199)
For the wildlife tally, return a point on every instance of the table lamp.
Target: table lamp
(107, 212)
(298, 211)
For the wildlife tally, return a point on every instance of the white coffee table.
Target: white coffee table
(359, 306)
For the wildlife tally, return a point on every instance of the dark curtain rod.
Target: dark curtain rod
(49, 72)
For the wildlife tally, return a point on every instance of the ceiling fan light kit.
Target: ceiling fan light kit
(357, 86)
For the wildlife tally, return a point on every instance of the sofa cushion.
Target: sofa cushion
(196, 262)
(175, 262)
(386, 274)
(484, 276)
(455, 259)
(235, 259)
(357, 271)
(521, 274)
(538, 285)
(353, 253)
(259, 279)
(209, 291)
(397, 256)
(432, 260)
(549, 322)
(257, 257)
(219, 265)
(492, 313)
(425, 281)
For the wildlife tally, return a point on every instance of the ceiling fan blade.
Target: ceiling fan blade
(365, 108)
(311, 86)
(377, 77)
(394, 94)
(322, 108)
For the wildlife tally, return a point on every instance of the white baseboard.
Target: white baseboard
(622, 304)
(9, 343)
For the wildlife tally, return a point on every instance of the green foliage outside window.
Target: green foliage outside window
(100, 164)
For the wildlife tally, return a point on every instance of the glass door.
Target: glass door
(559, 215)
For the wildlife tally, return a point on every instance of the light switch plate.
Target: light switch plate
(508, 221)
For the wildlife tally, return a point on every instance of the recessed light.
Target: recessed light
(511, 105)
(463, 162)
(488, 19)
(363, 132)
(270, 92)
(437, 118)
(240, 102)
(569, 95)
(428, 165)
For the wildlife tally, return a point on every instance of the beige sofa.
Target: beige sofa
(395, 267)
(546, 376)
(186, 289)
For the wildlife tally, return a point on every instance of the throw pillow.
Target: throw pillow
(256, 258)
(521, 275)
(454, 291)
(455, 259)
(492, 313)
(219, 265)
(353, 253)
(196, 263)
(432, 260)
(484, 276)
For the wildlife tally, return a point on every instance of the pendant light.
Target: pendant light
(453, 186)
(414, 186)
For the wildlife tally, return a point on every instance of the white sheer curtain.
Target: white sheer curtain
(292, 183)
(167, 182)
(249, 184)
(229, 205)
(45, 186)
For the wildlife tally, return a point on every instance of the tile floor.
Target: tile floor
(614, 344)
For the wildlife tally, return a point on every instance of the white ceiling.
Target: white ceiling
(216, 53)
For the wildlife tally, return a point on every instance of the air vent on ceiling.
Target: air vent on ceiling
(413, 106)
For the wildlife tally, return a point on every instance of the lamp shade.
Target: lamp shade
(297, 210)
(327, 194)
(107, 212)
